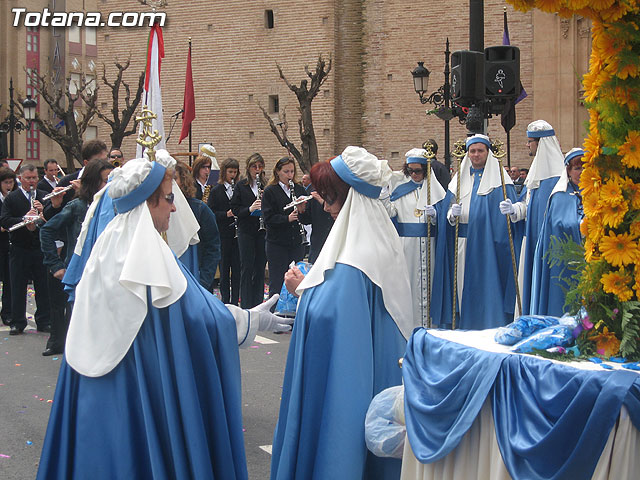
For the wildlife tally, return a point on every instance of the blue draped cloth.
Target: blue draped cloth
(103, 214)
(538, 200)
(488, 297)
(170, 409)
(551, 421)
(344, 350)
(547, 288)
(404, 189)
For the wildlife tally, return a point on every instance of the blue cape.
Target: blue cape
(170, 409)
(533, 227)
(547, 289)
(344, 350)
(489, 289)
(551, 421)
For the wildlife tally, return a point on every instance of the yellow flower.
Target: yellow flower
(589, 250)
(632, 192)
(612, 215)
(634, 229)
(614, 13)
(629, 70)
(551, 6)
(606, 342)
(591, 205)
(619, 250)
(628, 97)
(599, 4)
(611, 193)
(593, 142)
(617, 283)
(590, 181)
(630, 150)
(592, 228)
(636, 286)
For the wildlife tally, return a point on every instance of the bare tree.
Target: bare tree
(119, 119)
(68, 112)
(307, 155)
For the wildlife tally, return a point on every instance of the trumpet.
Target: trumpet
(294, 199)
(261, 228)
(59, 192)
(297, 202)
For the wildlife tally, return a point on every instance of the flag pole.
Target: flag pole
(190, 139)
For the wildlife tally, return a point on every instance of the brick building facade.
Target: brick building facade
(368, 98)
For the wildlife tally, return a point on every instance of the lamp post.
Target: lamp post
(12, 123)
(441, 99)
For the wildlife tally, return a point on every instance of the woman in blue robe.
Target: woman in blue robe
(150, 386)
(562, 219)
(353, 319)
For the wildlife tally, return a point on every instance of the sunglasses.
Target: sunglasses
(170, 197)
(414, 170)
(115, 156)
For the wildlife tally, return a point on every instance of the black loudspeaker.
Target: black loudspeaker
(467, 77)
(502, 71)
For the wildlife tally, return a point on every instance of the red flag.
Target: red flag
(189, 105)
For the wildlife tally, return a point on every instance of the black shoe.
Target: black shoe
(45, 329)
(51, 351)
(16, 330)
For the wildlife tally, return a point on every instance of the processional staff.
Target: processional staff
(430, 155)
(147, 117)
(459, 153)
(499, 152)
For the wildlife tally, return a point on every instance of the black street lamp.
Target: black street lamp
(12, 123)
(441, 99)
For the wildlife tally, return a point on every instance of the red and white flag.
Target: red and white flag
(152, 97)
(189, 105)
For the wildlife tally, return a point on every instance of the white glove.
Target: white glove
(507, 208)
(456, 209)
(430, 211)
(267, 321)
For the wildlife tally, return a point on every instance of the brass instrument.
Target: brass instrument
(59, 192)
(303, 232)
(235, 219)
(206, 193)
(261, 228)
(499, 153)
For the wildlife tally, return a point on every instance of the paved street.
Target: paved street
(27, 384)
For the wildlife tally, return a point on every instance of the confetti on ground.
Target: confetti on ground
(41, 399)
(54, 358)
(4, 456)
(254, 346)
(29, 442)
(49, 401)
(268, 353)
(18, 364)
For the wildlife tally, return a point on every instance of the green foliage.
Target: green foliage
(569, 255)
(630, 326)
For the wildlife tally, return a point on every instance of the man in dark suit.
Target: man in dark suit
(50, 179)
(25, 257)
(91, 150)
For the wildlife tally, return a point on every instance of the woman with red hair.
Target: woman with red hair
(353, 319)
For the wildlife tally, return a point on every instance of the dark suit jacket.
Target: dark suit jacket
(44, 186)
(279, 229)
(242, 199)
(220, 204)
(442, 173)
(14, 207)
(321, 223)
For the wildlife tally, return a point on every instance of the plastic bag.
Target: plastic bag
(288, 303)
(554, 336)
(523, 327)
(384, 429)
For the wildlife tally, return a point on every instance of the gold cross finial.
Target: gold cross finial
(428, 146)
(459, 149)
(498, 149)
(147, 117)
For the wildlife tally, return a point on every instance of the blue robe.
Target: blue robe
(103, 214)
(489, 289)
(170, 409)
(344, 350)
(533, 225)
(562, 217)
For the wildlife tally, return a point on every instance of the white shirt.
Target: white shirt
(27, 194)
(229, 189)
(254, 189)
(285, 188)
(53, 183)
